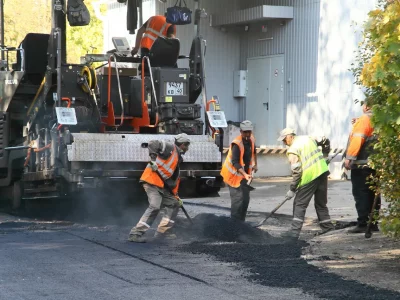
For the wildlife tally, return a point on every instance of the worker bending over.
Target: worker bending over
(161, 182)
(310, 178)
(154, 27)
(239, 164)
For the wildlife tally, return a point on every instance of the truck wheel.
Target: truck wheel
(203, 190)
(16, 199)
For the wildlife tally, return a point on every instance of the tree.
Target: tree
(35, 16)
(378, 70)
(19, 20)
(82, 40)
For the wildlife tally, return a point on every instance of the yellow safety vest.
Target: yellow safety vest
(312, 161)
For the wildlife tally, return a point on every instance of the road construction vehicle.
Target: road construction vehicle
(67, 128)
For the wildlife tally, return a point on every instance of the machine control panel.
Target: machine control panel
(122, 46)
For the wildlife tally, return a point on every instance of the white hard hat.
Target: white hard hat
(246, 125)
(182, 138)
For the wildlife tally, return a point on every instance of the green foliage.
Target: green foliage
(378, 71)
(35, 16)
(85, 39)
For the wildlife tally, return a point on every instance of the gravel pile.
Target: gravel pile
(223, 229)
(281, 265)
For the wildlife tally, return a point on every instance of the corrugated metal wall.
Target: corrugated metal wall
(222, 57)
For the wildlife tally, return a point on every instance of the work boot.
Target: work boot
(135, 238)
(290, 235)
(324, 231)
(374, 227)
(165, 236)
(358, 229)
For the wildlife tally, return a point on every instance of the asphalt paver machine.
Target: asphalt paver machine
(67, 128)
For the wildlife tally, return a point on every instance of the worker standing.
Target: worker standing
(238, 167)
(154, 27)
(161, 171)
(359, 148)
(310, 178)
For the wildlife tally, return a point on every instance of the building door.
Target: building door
(265, 97)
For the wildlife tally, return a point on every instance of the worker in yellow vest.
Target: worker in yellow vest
(310, 178)
(238, 168)
(161, 171)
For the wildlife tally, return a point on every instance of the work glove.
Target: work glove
(154, 166)
(179, 201)
(290, 194)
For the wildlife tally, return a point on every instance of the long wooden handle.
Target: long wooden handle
(272, 212)
(187, 215)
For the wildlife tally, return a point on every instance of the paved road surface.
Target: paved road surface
(91, 259)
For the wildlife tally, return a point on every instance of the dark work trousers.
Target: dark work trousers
(319, 189)
(362, 193)
(240, 198)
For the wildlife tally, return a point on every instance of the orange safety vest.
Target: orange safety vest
(166, 168)
(156, 26)
(229, 173)
(360, 137)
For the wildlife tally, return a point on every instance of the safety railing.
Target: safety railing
(4, 64)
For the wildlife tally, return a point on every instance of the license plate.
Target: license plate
(174, 88)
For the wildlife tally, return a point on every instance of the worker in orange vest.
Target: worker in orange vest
(238, 168)
(359, 148)
(154, 27)
(162, 170)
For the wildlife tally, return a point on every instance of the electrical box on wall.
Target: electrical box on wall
(240, 83)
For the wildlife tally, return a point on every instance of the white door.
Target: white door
(265, 96)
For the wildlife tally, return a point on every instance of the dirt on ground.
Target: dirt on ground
(374, 261)
(272, 261)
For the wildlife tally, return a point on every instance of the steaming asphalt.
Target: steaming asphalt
(81, 252)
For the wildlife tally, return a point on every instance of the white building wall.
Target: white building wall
(339, 35)
(319, 45)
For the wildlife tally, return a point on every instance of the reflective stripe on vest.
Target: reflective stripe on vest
(230, 174)
(166, 168)
(156, 26)
(361, 140)
(312, 162)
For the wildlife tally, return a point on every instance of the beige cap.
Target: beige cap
(285, 132)
(182, 138)
(246, 125)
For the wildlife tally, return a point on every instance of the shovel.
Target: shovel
(286, 199)
(368, 232)
(170, 190)
(247, 184)
(272, 212)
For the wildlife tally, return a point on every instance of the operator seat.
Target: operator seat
(35, 47)
(164, 53)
